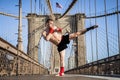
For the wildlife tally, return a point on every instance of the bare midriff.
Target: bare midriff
(56, 38)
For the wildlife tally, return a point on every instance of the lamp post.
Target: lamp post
(20, 44)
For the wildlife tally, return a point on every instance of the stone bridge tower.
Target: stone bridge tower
(74, 23)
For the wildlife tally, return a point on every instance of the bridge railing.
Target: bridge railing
(15, 62)
(106, 66)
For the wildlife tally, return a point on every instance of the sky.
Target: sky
(9, 25)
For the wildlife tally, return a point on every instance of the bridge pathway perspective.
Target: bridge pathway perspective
(53, 77)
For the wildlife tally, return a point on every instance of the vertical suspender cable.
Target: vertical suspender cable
(118, 29)
(106, 71)
(39, 6)
(44, 10)
(118, 33)
(96, 39)
(91, 37)
(81, 6)
(84, 5)
(31, 5)
(106, 28)
(85, 14)
(35, 7)
(91, 31)
(96, 32)
(77, 8)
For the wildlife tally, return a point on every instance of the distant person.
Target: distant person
(54, 35)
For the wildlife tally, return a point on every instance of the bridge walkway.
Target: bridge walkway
(53, 77)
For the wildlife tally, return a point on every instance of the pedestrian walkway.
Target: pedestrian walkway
(53, 77)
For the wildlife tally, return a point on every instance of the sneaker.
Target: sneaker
(60, 74)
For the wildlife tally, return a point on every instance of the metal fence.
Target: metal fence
(15, 62)
(106, 66)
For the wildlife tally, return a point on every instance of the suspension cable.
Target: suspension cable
(50, 8)
(118, 31)
(91, 31)
(81, 6)
(101, 45)
(96, 37)
(118, 28)
(96, 32)
(39, 6)
(70, 6)
(84, 6)
(31, 5)
(106, 28)
(107, 14)
(6, 14)
(35, 6)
